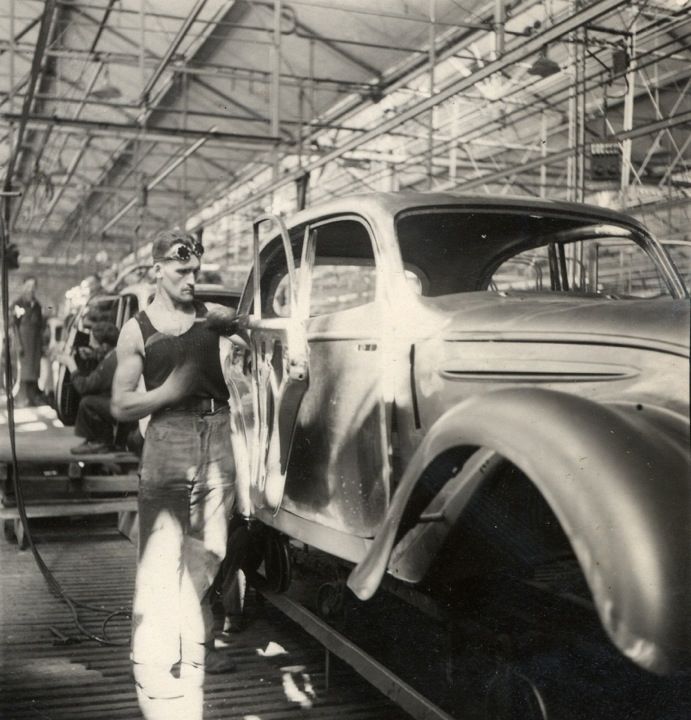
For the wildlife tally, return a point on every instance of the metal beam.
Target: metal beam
(102, 26)
(206, 70)
(518, 53)
(172, 49)
(243, 140)
(21, 34)
(658, 205)
(515, 55)
(226, 98)
(22, 118)
(108, 28)
(372, 670)
(334, 47)
(143, 120)
(551, 158)
(117, 190)
(47, 68)
(123, 108)
(153, 183)
(57, 155)
(29, 57)
(70, 172)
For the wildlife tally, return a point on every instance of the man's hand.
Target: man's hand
(221, 319)
(178, 384)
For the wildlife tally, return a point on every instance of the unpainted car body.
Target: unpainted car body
(443, 384)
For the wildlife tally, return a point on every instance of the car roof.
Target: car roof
(392, 203)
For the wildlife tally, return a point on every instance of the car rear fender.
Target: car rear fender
(617, 478)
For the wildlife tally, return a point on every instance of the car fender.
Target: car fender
(618, 479)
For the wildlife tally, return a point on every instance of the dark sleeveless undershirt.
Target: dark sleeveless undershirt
(198, 346)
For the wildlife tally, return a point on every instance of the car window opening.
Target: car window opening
(460, 251)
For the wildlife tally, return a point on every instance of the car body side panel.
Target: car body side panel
(338, 474)
(451, 370)
(616, 477)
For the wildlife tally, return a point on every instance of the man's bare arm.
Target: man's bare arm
(128, 403)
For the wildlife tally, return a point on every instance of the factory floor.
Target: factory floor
(49, 670)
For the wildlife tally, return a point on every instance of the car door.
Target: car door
(269, 375)
(339, 471)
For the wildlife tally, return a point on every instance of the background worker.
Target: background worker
(187, 486)
(28, 321)
(95, 422)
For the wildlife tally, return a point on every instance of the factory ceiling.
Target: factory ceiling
(119, 117)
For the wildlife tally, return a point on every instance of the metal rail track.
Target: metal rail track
(376, 674)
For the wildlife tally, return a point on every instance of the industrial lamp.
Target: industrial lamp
(105, 89)
(543, 66)
(618, 83)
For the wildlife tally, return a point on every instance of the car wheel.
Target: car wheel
(66, 398)
(513, 696)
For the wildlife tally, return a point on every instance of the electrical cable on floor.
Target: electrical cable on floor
(53, 584)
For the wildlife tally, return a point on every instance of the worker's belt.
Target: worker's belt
(202, 406)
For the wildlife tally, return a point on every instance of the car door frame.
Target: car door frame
(385, 398)
(277, 390)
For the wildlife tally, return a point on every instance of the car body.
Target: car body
(116, 306)
(435, 385)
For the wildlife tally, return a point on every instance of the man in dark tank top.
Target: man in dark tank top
(187, 483)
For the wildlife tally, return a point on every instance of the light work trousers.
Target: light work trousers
(186, 495)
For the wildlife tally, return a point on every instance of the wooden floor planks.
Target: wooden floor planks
(85, 681)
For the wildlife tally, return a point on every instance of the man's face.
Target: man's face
(29, 287)
(178, 277)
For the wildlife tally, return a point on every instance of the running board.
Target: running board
(373, 671)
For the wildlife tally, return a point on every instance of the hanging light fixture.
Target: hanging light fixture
(105, 90)
(544, 66)
(618, 83)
